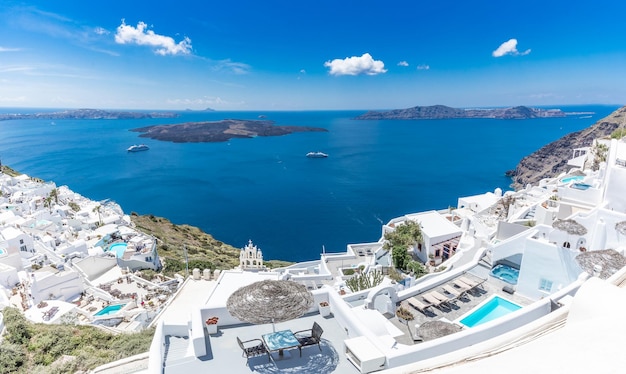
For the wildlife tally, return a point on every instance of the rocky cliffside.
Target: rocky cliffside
(551, 160)
(446, 112)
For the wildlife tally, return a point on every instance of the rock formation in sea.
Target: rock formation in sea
(551, 159)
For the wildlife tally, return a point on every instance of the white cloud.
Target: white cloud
(423, 67)
(139, 35)
(356, 65)
(101, 31)
(3, 49)
(403, 63)
(238, 68)
(302, 71)
(509, 48)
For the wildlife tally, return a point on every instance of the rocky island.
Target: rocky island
(446, 112)
(551, 159)
(87, 114)
(218, 131)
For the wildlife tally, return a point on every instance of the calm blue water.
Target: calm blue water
(492, 309)
(111, 309)
(265, 189)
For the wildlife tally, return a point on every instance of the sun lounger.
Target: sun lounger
(469, 282)
(419, 305)
(432, 300)
(455, 292)
(443, 298)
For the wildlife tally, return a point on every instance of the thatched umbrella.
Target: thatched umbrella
(570, 226)
(436, 329)
(608, 262)
(270, 301)
(621, 227)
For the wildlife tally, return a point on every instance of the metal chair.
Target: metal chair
(313, 336)
(253, 350)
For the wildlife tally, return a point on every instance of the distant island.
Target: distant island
(87, 114)
(446, 112)
(218, 131)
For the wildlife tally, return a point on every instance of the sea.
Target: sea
(266, 190)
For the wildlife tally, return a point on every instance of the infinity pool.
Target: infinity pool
(492, 308)
(572, 178)
(118, 249)
(111, 309)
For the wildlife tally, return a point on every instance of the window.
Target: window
(545, 285)
(21, 241)
(23, 248)
(437, 252)
(419, 246)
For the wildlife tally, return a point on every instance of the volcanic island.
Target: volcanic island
(219, 131)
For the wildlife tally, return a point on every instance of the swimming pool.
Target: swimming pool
(2, 252)
(506, 273)
(581, 186)
(118, 249)
(492, 308)
(572, 178)
(111, 309)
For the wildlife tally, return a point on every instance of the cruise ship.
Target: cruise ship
(316, 155)
(137, 148)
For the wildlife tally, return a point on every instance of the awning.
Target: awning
(447, 244)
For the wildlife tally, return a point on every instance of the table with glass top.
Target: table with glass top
(279, 341)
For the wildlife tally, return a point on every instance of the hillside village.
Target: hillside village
(553, 252)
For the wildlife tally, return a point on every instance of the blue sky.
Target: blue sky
(302, 55)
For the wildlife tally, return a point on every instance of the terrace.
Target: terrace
(491, 286)
(223, 352)
(224, 355)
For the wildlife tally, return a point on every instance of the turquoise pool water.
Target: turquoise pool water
(118, 249)
(573, 178)
(581, 186)
(493, 308)
(505, 273)
(2, 252)
(111, 309)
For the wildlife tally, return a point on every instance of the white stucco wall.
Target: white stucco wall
(543, 260)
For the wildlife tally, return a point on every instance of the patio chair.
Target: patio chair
(471, 283)
(257, 348)
(434, 301)
(310, 336)
(445, 300)
(419, 305)
(455, 292)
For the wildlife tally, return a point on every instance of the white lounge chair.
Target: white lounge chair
(419, 305)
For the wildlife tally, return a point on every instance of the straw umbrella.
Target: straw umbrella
(570, 226)
(436, 329)
(270, 301)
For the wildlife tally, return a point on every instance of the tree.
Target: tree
(55, 195)
(97, 209)
(417, 268)
(47, 202)
(406, 234)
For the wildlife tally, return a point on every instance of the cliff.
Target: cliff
(551, 159)
(88, 114)
(445, 112)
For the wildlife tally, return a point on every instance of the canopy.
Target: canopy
(436, 329)
(270, 301)
(570, 226)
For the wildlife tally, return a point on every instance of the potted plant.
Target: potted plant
(404, 315)
(324, 308)
(211, 325)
